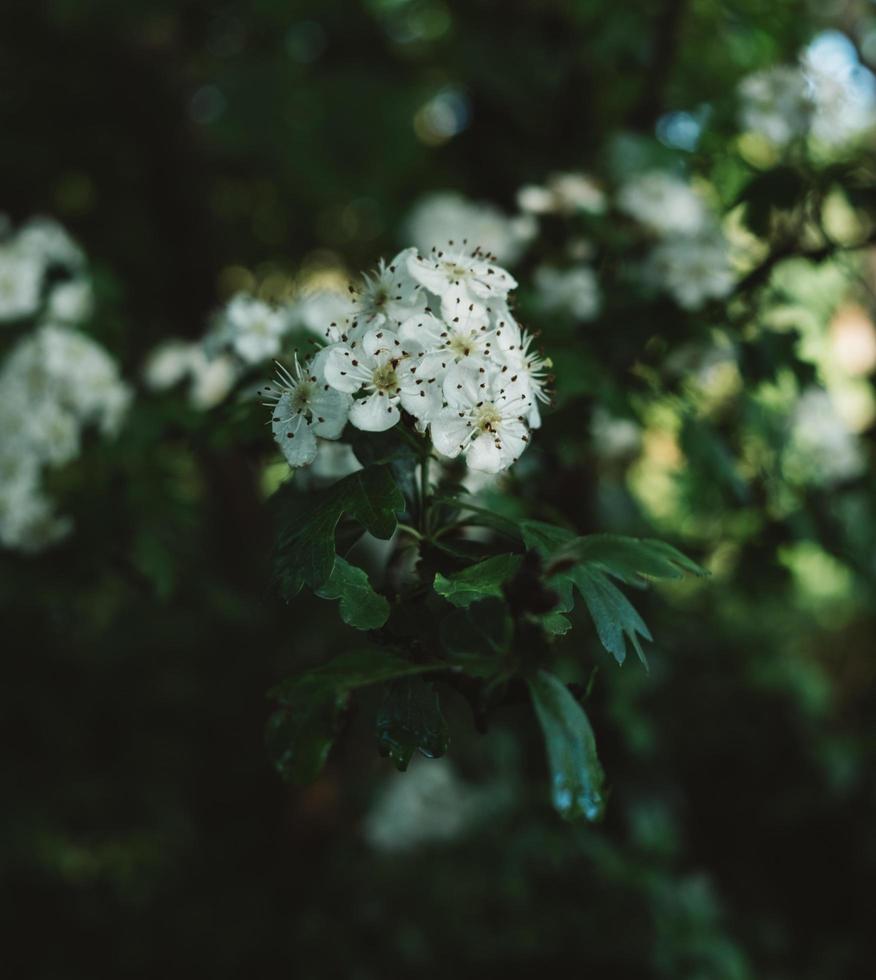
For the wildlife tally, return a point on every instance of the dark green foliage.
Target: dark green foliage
(360, 606)
(478, 581)
(576, 775)
(410, 720)
(305, 552)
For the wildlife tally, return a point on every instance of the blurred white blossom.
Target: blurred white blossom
(573, 291)
(449, 217)
(663, 203)
(692, 268)
(822, 449)
(54, 383)
(776, 104)
(563, 193)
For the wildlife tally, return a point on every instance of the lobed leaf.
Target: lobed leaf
(306, 546)
(576, 774)
(480, 581)
(360, 607)
(409, 721)
(302, 729)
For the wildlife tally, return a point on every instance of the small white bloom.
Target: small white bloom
(21, 280)
(253, 329)
(71, 301)
(461, 277)
(49, 244)
(168, 364)
(323, 312)
(464, 338)
(520, 364)
(484, 419)
(822, 449)
(304, 406)
(574, 292)
(693, 269)
(438, 218)
(384, 368)
(663, 203)
(212, 378)
(564, 193)
(775, 104)
(389, 294)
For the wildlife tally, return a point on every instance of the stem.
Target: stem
(414, 533)
(424, 494)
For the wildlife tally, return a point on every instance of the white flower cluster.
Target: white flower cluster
(429, 336)
(54, 384)
(40, 245)
(828, 95)
(691, 259)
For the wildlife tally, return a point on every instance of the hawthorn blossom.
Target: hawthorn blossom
(252, 328)
(21, 280)
(389, 294)
(460, 276)
(521, 365)
(303, 406)
(483, 420)
(663, 203)
(384, 369)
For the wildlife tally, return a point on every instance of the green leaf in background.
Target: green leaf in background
(556, 624)
(479, 581)
(306, 722)
(360, 607)
(306, 543)
(410, 720)
(576, 775)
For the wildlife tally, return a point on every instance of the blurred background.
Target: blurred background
(713, 338)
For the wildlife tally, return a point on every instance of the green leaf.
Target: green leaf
(556, 624)
(479, 581)
(576, 775)
(613, 614)
(306, 545)
(361, 607)
(307, 720)
(376, 448)
(587, 562)
(629, 559)
(409, 721)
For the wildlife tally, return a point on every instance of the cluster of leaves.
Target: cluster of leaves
(484, 626)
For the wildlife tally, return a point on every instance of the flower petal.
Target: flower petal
(376, 413)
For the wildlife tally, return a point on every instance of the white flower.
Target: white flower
(564, 193)
(384, 368)
(389, 295)
(663, 203)
(483, 419)
(438, 218)
(572, 291)
(212, 378)
(304, 406)
(21, 280)
(168, 364)
(71, 301)
(464, 338)
(460, 277)
(822, 448)
(323, 312)
(49, 244)
(253, 329)
(522, 366)
(693, 269)
(775, 104)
